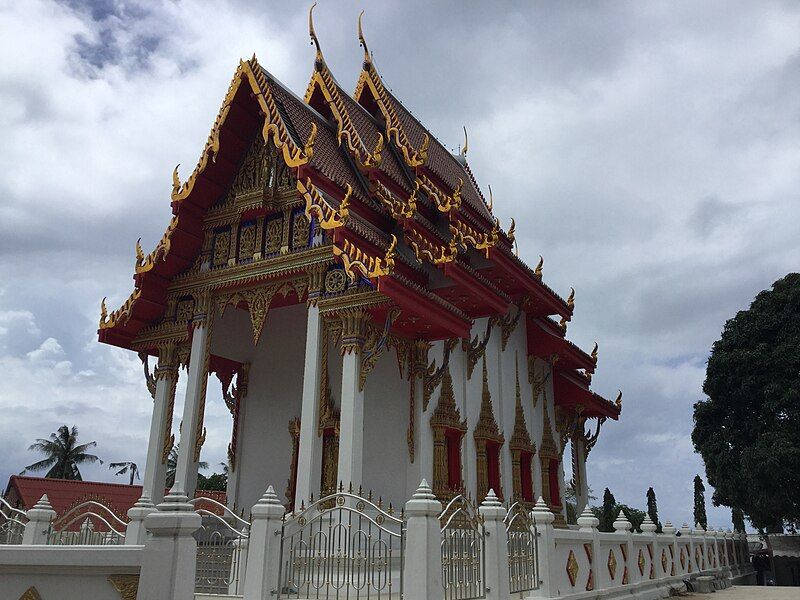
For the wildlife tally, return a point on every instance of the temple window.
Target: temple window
(448, 433)
(488, 441)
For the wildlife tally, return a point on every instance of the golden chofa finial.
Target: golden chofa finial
(571, 299)
(176, 181)
(491, 199)
(139, 252)
(512, 235)
(363, 42)
(466, 143)
(103, 312)
(618, 401)
(594, 353)
(312, 33)
(538, 271)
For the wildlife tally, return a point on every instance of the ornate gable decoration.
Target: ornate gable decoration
(520, 439)
(487, 428)
(446, 414)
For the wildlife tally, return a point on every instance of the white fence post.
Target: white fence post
(238, 566)
(686, 532)
(169, 561)
(672, 561)
(623, 526)
(493, 513)
(135, 532)
(548, 570)
(649, 529)
(422, 573)
(588, 523)
(38, 525)
(261, 574)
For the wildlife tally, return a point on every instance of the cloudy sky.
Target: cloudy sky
(650, 151)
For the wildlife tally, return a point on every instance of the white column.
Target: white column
(673, 561)
(309, 458)
(263, 556)
(549, 571)
(351, 424)
(38, 525)
(649, 529)
(422, 572)
(422, 467)
(493, 513)
(186, 468)
(623, 527)
(579, 452)
(155, 470)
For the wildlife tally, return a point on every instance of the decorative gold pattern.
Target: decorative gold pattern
(356, 261)
(398, 208)
(641, 563)
(612, 564)
(126, 585)
(294, 434)
(31, 594)
(486, 430)
(319, 208)
(520, 439)
(572, 568)
(376, 342)
(301, 229)
(476, 350)
(467, 236)
(445, 417)
(247, 242)
(433, 376)
(119, 316)
(144, 264)
(274, 236)
(222, 241)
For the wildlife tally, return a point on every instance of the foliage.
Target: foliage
(125, 467)
(63, 454)
(606, 513)
(737, 516)
(748, 430)
(700, 503)
(652, 508)
(172, 465)
(215, 481)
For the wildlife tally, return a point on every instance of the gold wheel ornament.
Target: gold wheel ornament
(335, 281)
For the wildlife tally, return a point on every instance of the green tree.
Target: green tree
(748, 430)
(215, 481)
(125, 467)
(607, 513)
(634, 515)
(652, 508)
(172, 465)
(737, 516)
(700, 503)
(63, 454)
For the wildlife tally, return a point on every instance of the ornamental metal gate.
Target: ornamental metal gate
(523, 568)
(12, 523)
(220, 544)
(87, 524)
(463, 551)
(342, 546)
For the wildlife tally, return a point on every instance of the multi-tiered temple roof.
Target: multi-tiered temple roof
(401, 214)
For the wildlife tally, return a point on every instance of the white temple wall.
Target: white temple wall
(471, 391)
(386, 405)
(273, 399)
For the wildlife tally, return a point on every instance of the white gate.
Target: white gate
(221, 541)
(463, 551)
(342, 546)
(523, 570)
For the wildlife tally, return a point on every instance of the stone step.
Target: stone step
(215, 597)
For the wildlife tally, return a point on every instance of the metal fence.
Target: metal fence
(523, 568)
(87, 524)
(463, 551)
(221, 546)
(342, 546)
(12, 523)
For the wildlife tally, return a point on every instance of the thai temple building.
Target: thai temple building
(402, 393)
(343, 276)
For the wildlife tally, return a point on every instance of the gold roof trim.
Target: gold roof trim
(316, 206)
(294, 156)
(119, 316)
(146, 263)
(425, 250)
(466, 235)
(356, 261)
(394, 129)
(444, 202)
(397, 207)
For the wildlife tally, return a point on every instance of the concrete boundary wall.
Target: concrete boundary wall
(67, 572)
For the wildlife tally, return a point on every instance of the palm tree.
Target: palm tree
(125, 467)
(172, 465)
(64, 454)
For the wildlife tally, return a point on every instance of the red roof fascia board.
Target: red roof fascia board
(442, 323)
(569, 393)
(544, 344)
(541, 299)
(496, 303)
